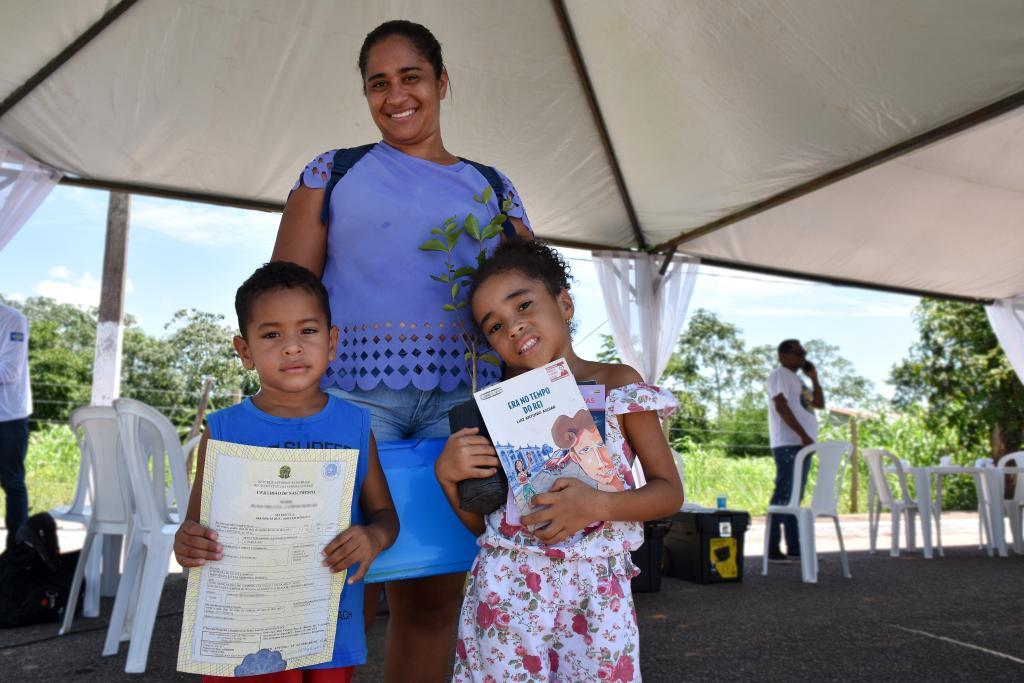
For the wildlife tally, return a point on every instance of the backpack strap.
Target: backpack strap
(344, 160)
(498, 187)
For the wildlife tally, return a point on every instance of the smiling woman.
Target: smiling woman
(356, 218)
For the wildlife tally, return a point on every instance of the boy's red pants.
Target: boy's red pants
(340, 675)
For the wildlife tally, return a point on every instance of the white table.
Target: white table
(993, 477)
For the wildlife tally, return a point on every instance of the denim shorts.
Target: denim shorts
(408, 413)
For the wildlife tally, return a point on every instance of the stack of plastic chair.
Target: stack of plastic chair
(149, 445)
(1013, 507)
(110, 513)
(905, 506)
(832, 457)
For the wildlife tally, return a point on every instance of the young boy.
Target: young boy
(286, 335)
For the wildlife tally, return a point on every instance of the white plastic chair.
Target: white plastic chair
(879, 463)
(110, 514)
(78, 512)
(159, 441)
(147, 445)
(832, 459)
(1013, 508)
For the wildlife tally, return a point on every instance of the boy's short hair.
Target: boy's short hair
(273, 276)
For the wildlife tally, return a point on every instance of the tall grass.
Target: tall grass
(51, 468)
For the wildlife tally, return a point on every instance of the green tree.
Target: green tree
(166, 372)
(609, 353)
(711, 361)
(960, 373)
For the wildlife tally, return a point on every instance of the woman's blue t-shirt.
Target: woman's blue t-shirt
(339, 425)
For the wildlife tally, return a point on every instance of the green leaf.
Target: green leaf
(480, 258)
(440, 278)
(478, 199)
(465, 271)
(437, 231)
(468, 356)
(453, 237)
(433, 245)
(472, 226)
(449, 307)
(462, 304)
(487, 194)
(490, 358)
(492, 230)
(456, 287)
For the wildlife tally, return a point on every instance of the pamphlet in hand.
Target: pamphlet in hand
(543, 431)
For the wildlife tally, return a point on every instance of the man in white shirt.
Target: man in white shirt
(791, 426)
(15, 407)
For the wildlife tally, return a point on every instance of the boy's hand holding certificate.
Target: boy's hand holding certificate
(543, 432)
(270, 604)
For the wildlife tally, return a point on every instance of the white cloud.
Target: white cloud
(66, 289)
(60, 272)
(211, 226)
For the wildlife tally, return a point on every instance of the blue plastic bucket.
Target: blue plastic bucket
(432, 540)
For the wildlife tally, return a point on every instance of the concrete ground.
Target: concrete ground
(949, 618)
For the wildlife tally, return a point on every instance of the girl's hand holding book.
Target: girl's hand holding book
(467, 455)
(568, 506)
(194, 544)
(357, 543)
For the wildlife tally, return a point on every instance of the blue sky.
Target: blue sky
(185, 255)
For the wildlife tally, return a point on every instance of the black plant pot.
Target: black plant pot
(477, 495)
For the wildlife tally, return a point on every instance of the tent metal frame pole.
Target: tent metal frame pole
(839, 282)
(62, 57)
(172, 193)
(986, 113)
(595, 109)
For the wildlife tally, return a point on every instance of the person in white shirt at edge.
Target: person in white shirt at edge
(791, 426)
(15, 407)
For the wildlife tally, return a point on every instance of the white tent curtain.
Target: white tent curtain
(645, 308)
(1007, 319)
(24, 184)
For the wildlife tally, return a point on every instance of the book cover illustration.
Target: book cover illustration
(593, 396)
(543, 431)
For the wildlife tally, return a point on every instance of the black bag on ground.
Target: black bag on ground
(35, 578)
(478, 495)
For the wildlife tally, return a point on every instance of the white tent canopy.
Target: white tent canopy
(709, 108)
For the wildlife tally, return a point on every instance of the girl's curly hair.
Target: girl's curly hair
(533, 259)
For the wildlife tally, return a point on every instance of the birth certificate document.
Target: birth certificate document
(269, 604)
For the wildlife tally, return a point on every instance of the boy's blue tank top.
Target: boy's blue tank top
(339, 425)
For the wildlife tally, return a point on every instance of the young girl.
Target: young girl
(555, 605)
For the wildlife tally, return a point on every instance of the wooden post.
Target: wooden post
(197, 423)
(854, 474)
(106, 369)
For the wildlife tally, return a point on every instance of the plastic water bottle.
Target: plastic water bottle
(721, 502)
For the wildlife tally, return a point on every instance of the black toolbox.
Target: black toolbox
(706, 546)
(649, 557)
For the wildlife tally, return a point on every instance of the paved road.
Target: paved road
(945, 619)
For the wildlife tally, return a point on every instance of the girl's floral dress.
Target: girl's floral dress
(534, 612)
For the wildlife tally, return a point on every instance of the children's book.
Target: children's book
(543, 431)
(593, 396)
